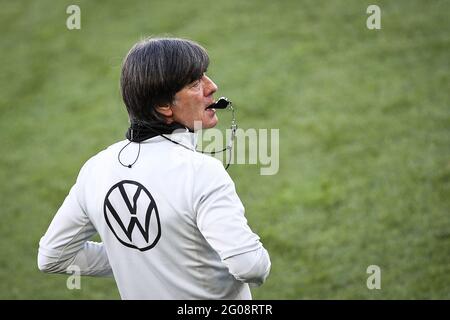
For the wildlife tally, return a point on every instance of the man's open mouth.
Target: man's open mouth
(211, 106)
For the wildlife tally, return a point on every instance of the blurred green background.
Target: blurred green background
(364, 124)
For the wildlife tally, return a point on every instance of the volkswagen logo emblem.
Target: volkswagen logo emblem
(132, 215)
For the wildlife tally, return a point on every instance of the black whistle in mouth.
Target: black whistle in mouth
(222, 103)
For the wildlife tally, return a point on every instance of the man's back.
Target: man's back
(170, 220)
(167, 223)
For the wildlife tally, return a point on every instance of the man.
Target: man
(170, 220)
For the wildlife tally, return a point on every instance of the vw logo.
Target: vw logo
(132, 215)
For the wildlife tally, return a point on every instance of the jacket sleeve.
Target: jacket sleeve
(252, 267)
(66, 241)
(221, 220)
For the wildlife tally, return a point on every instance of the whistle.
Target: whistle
(222, 103)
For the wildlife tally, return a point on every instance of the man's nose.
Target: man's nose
(210, 86)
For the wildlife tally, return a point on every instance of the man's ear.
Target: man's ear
(167, 112)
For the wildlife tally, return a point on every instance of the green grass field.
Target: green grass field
(364, 121)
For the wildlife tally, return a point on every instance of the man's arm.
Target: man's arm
(66, 241)
(252, 267)
(221, 220)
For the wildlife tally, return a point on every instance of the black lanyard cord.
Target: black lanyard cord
(131, 164)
